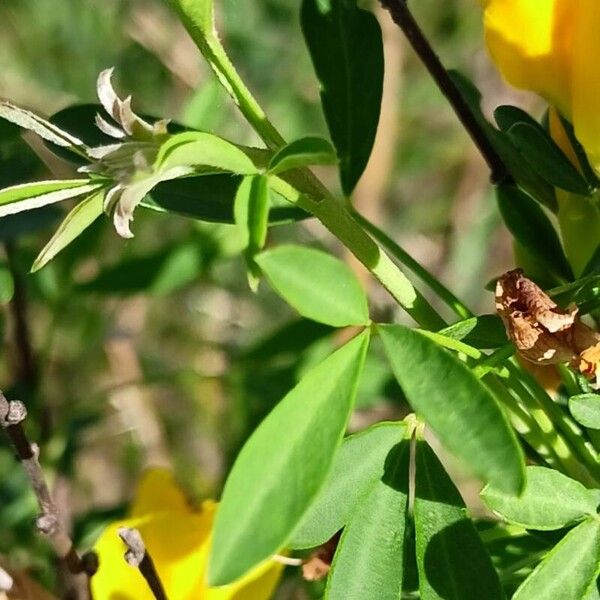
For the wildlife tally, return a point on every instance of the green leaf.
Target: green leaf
(303, 153)
(523, 174)
(199, 149)
(28, 196)
(211, 198)
(283, 465)
(452, 561)
(585, 409)
(569, 570)
(252, 216)
(539, 150)
(356, 469)
(79, 219)
(457, 406)
(369, 557)
(483, 332)
(32, 122)
(316, 284)
(347, 53)
(532, 228)
(549, 501)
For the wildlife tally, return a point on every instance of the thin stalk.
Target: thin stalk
(532, 425)
(578, 461)
(571, 431)
(402, 16)
(412, 265)
(335, 217)
(198, 19)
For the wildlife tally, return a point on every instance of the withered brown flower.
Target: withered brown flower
(543, 332)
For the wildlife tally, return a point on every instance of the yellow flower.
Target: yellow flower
(551, 47)
(178, 539)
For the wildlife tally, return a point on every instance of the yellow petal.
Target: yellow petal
(157, 491)
(258, 584)
(179, 544)
(531, 43)
(585, 84)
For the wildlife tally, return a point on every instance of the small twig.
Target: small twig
(137, 556)
(404, 19)
(27, 368)
(12, 415)
(288, 560)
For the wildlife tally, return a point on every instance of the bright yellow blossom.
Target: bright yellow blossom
(178, 539)
(551, 47)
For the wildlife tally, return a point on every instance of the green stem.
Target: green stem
(575, 452)
(340, 222)
(412, 265)
(531, 426)
(197, 16)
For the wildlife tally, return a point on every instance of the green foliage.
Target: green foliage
(539, 150)
(585, 409)
(81, 217)
(549, 501)
(570, 570)
(533, 230)
(347, 53)
(278, 458)
(304, 152)
(358, 468)
(368, 560)
(452, 561)
(475, 430)
(316, 285)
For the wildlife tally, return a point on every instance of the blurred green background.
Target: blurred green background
(153, 350)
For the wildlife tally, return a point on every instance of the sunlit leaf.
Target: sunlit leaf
(369, 558)
(79, 219)
(457, 406)
(284, 464)
(550, 500)
(32, 122)
(303, 153)
(252, 216)
(196, 148)
(585, 408)
(27, 196)
(357, 468)
(570, 570)
(316, 284)
(452, 561)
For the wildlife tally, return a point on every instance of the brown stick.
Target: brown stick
(12, 415)
(402, 16)
(137, 556)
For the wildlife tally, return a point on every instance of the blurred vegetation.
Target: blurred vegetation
(153, 350)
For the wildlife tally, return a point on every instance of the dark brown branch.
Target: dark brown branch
(137, 556)
(12, 415)
(27, 368)
(402, 16)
